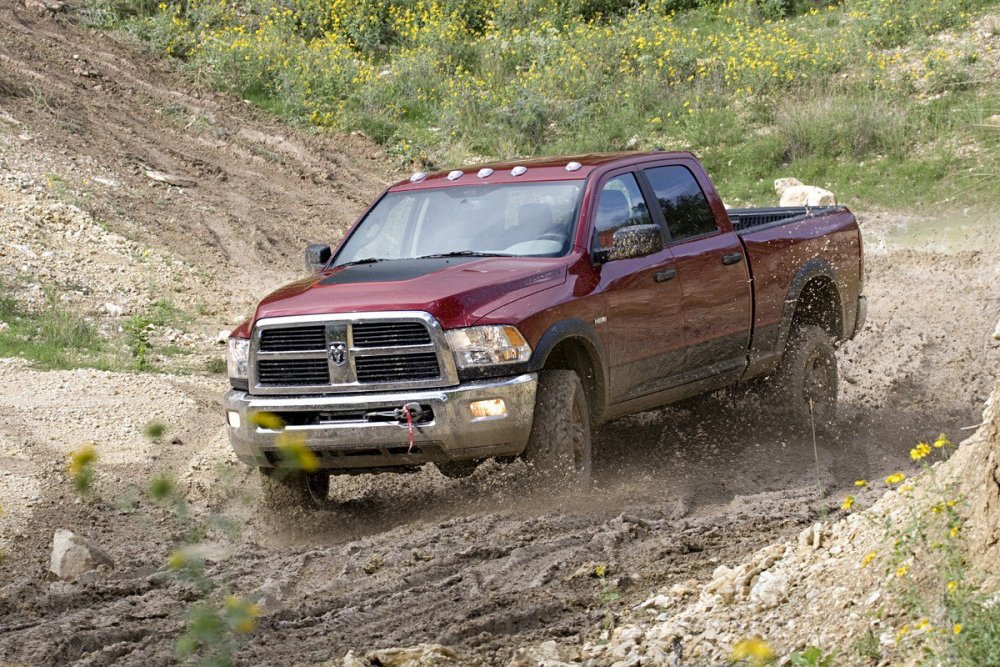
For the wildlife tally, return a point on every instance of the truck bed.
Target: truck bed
(747, 219)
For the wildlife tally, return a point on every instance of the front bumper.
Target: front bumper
(340, 431)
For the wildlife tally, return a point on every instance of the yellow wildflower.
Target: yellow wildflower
(869, 557)
(957, 629)
(242, 615)
(81, 458)
(267, 420)
(177, 560)
(861, 482)
(954, 531)
(847, 504)
(942, 441)
(952, 586)
(755, 650)
(895, 478)
(920, 451)
(902, 570)
(295, 454)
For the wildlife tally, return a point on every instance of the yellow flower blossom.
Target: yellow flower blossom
(755, 650)
(869, 557)
(902, 570)
(920, 451)
(957, 629)
(952, 586)
(847, 504)
(895, 478)
(861, 482)
(942, 441)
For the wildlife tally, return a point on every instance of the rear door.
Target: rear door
(716, 297)
(642, 296)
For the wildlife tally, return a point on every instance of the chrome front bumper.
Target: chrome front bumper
(335, 429)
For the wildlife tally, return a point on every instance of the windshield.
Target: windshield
(515, 219)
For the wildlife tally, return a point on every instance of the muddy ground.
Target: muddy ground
(480, 564)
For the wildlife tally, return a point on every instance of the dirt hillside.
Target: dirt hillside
(477, 565)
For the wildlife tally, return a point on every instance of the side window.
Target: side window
(620, 204)
(684, 205)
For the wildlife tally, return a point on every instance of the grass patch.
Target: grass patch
(758, 88)
(54, 337)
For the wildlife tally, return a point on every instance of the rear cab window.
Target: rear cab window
(682, 201)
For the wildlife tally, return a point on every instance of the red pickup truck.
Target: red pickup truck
(507, 310)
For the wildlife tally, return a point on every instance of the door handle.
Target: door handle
(664, 276)
(732, 258)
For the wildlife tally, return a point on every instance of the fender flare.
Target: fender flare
(810, 270)
(584, 333)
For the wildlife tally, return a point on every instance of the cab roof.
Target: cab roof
(549, 168)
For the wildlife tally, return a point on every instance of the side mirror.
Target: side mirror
(317, 255)
(631, 242)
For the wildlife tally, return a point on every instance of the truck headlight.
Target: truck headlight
(488, 346)
(237, 358)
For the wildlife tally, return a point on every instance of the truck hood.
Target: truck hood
(458, 291)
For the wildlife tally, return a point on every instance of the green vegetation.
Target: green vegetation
(859, 95)
(54, 336)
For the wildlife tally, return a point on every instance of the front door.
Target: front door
(642, 298)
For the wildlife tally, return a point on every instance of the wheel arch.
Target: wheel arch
(573, 345)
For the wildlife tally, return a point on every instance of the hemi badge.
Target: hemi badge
(600, 320)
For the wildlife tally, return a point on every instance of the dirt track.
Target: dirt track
(477, 565)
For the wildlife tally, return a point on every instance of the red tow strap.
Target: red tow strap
(409, 426)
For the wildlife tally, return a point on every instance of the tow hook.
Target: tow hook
(415, 413)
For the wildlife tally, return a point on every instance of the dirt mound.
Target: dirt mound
(90, 117)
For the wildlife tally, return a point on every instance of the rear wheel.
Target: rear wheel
(803, 391)
(559, 448)
(287, 489)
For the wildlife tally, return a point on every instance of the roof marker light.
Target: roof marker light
(518, 170)
(455, 175)
(573, 166)
(485, 172)
(417, 177)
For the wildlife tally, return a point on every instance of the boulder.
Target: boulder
(782, 184)
(807, 195)
(73, 555)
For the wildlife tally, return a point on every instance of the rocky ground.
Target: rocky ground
(479, 565)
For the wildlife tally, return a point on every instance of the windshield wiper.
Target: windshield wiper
(464, 253)
(366, 260)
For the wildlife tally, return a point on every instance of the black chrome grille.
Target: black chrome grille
(292, 372)
(393, 367)
(390, 334)
(293, 339)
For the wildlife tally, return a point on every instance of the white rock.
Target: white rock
(996, 332)
(782, 184)
(222, 337)
(73, 555)
(807, 195)
(4, 327)
(114, 310)
(770, 590)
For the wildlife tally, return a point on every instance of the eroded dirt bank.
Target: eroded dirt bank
(478, 565)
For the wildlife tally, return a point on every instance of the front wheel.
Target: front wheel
(289, 489)
(559, 448)
(803, 391)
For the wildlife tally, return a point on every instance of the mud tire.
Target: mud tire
(808, 370)
(560, 446)
(457, 469)
(290, 489)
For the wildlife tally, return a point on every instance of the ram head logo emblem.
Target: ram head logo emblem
(338, 353)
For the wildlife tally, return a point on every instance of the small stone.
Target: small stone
(4, 327)
(114, 310)
(73, 555)
(770, 590)
(222, 337)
